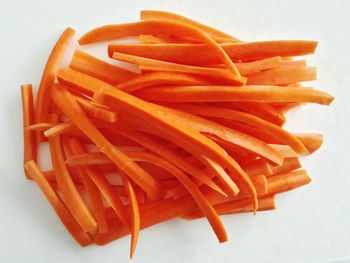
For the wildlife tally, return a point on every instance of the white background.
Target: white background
(311, 224)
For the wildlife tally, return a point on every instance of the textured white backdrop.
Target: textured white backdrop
(310, 225)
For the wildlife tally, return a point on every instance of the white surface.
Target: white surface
(310, 225)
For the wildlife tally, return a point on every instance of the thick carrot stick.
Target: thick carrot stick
(247, 119)
(158, 65)
(193, 53)
(228, 93)
(292, 63)
(91, 189)
(214, 33)
(159, 78)
(85, 63)
(65, 216)
(71, 108)
(289, 164)
(111, 32)
(288, 181)
(68, 190)
(312, 141)
(29, 141)
(283, 75)
(49, 75)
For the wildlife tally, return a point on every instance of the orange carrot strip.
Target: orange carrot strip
(288, 181)
(292, 63)
(163, 125)
(66, 186)
(40, 126)
(49, 75)
(111, 32)
(85, 63)
(96, 111)
(134, 215)
(285, 150)
(289, 164)
(258, 166)
(247, 119)
(214, 33)
(284, 75)
(29, 142)
(91, 189)
(287, 106)
(193, 53)
(65, 216)
(229, 93)
(312, 141)
(62, 128)
(159, 65)
(159, 78)
(71, 108)
(152, 39)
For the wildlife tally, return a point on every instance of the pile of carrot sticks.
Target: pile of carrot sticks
(197, 131)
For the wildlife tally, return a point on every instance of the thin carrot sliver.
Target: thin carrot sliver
(285, 182)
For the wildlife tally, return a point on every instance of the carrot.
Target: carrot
(292, 63)
(258, 167)
(227, 93)
(289, 164)
(39, 126)
(158, 65)
(192, 53)
(111, 32)
(29, 142)
(85, 63)
(91, 189)
(161, 39)
(283, 75)
(71, 108)
(284, 150)
(49, 75)
(312, 141)
(247, 119)
(285, 182)
(214, 33)
(159, 78)
(193, 141)
(65, 216)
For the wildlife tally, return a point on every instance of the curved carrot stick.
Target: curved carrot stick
(111, 32)
(193, 53)
(40, 126)
(288, 181)
(29, 142)
(65, 216)
(312, 141)
(49, 75)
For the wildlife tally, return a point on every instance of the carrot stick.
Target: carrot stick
(71, 108)
(164, 39)
(69, 193)
(158, 65)
(165, 126)
(91, 189)
(285, 107)
(156, 14)
(111, 32)
(285, 150)
(288, 181)
(193, 53)
(289, 164)
(97, 68)
(65, 216)
(49, 75)
(292, 63)
(134, 215)
(29, 142)
(39, 126)
(312, 141)
(228, 93)
(257, 167)
(159, 78)
(280, 76)
(247, 119)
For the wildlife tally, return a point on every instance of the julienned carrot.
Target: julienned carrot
(312, 141)
(43, 126)
(292, 63)
(257, 167)
(222, 75)
(92, 191)
(247, 119)
(160, 78)
(49, 75)
(289, 164)
(283, 75)
(215, 34)
(29, 141)
(284, 150)
(134, 214)
(193, 53)
(285, 182)
(191, 140)
(66, 186)
(65, 216)
(111, 32)
(229, 93)
(71, 108)
(85, 63)
(163, 39)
